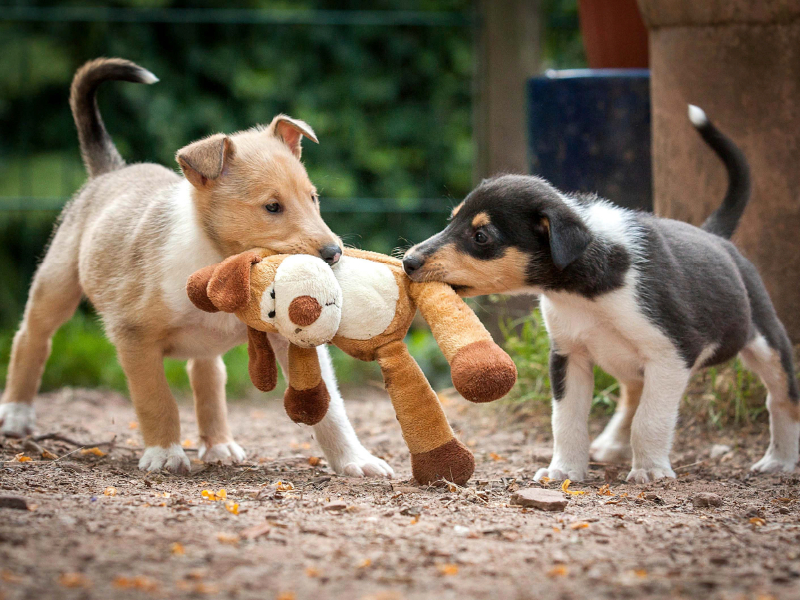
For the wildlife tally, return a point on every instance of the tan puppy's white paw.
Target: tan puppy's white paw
(360, 463)
(648, 475)
(227, 452)
(172, 459)
(17, 419)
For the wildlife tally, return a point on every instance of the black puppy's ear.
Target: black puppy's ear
(569, 237)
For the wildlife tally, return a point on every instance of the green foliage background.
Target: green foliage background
(392, 106)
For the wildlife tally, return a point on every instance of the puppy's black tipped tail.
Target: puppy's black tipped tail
(725, 219)
(98, 150)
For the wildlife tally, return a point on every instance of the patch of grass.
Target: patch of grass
(725, 396)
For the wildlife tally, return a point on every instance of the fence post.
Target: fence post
(507, 54)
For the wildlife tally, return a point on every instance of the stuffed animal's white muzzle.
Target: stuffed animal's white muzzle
(307, 301)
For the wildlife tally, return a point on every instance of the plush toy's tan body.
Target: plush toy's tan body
(378, 303)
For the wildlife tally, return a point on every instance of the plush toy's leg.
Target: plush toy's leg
(306, 399)
(435, 452)
(481, 370)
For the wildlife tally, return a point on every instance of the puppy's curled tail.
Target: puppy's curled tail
(98, 150)
(725, 219)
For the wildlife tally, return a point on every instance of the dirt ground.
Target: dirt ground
(303, 533)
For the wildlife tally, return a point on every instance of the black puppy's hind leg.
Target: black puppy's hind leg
(773, 362)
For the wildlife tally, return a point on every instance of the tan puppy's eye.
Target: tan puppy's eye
(273, 207)
(315, 198)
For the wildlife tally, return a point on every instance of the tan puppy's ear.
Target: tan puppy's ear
(197, 288)
(205, 160)
(262, 367)
(291, 132)
(229, 286)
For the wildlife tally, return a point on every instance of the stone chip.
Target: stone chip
(540, 498)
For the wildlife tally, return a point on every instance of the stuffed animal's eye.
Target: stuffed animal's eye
(273, 207)
(481, 237)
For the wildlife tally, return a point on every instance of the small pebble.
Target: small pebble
(704, 499)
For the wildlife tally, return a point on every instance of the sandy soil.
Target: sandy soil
(316, 536)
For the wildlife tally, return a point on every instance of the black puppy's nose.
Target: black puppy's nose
(412, 262)
(330, 253)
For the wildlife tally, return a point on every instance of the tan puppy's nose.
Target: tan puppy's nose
(304, 310)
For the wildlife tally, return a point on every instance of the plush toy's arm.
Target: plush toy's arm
(306, 399)
(481, 370)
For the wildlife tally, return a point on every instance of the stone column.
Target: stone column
(740, 61)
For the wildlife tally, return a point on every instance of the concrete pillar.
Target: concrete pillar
(740, 61)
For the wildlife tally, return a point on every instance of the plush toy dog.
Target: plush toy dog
(364, 305)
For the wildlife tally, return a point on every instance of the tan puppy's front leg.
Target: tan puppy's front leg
(207, 377)
(155, 407)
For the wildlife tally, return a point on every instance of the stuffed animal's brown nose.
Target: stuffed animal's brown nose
(304, 310)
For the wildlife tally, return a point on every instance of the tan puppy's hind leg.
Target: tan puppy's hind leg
(207, 377)
(54, 296)
(155, 407)
(435, 452)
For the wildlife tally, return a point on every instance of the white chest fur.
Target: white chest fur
(369, 297)
(193, 333)
(610, 330)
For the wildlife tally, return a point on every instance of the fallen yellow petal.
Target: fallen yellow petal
(48, 455)
(21, 457)
(227, 538)
(96, 451)
(74, 580)
(758, 521)
(177, 549)
(557, 571)
(110, 491)
(447, 569)
(579, 525)
(312, 572)
(232, 507)
(566, 490)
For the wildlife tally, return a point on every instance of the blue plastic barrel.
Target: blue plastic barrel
(589, 131)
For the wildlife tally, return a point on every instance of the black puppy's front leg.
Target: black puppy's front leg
(572, 382)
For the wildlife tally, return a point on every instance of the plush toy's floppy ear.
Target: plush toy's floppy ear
(229, 286)
(262, 367)
(197, 289)
(569, 237)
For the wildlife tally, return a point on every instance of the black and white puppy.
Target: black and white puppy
(649, 300)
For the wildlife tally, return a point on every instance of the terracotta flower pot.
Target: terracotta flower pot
(614, 34)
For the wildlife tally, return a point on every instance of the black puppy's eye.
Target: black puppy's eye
(273, 207)
(480, 237)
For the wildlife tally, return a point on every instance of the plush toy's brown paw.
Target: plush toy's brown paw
(307, 406)
(451, 461)
(483, 372)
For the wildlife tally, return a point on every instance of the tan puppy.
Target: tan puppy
(129, 241)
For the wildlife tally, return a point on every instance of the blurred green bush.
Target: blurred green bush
(391, 105)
